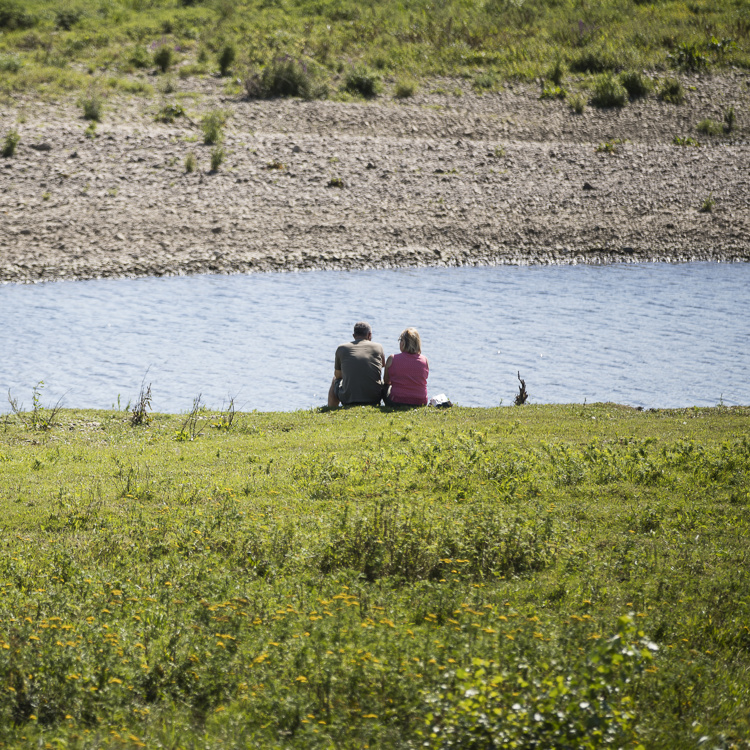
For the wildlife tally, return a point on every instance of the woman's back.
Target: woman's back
(408, 375)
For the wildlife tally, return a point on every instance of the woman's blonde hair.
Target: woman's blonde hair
(411, 341)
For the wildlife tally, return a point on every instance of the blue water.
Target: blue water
(655, 335)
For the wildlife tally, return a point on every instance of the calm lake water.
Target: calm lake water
(655, 335)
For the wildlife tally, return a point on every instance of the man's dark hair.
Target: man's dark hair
(362, 330)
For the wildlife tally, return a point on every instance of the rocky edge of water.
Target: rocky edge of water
(446, 177)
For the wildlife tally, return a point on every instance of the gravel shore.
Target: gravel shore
(446, 177)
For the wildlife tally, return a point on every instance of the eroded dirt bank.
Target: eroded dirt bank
(437, 179)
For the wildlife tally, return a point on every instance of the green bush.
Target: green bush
(13, 15)
(282, 77)
(12, 140)
(362, 82)
(10, 64)
(164, 58)
(67, 17)
(226, 59)
(671, 91)
(690, 57)
(139, 57)
(609, 92)
(636, 84)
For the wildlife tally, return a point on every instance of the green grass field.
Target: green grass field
(519, 577)
(51, 46)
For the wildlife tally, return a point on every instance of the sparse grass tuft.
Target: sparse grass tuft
(672, 92)
(218, 154)
(405, 88)
(610, 147)
(557, 72)
(708, 204)
(636, 84)
(595, 60)
(191, 163)
(140, 413)
(685, 141)
(226, 59)
(40, 417)
(609, 92)
(212, 125)
(12, 139)
(485, 82)
(551, 91)
(282, 77)
(169, 113)
(730, 120)
(709, 127)
(164, 58)
(577, 103)
(362, 82)
(92, 106)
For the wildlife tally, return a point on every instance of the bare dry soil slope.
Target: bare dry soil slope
(446, 177)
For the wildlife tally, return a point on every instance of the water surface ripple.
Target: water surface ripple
(655, 335)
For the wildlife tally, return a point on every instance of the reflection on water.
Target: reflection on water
(646, 335)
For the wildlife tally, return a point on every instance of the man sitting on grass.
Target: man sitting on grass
(356, 372)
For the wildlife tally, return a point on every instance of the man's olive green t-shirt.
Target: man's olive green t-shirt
(360, 362)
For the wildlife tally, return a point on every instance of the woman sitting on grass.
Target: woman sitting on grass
(406, 373)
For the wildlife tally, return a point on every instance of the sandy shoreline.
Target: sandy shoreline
(437, 179)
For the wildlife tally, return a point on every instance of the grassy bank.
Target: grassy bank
(344, 47)
(572, 576)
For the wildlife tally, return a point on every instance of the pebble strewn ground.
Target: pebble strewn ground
(436, 179)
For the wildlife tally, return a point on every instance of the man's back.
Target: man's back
(360, 362)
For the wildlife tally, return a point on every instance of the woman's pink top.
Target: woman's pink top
(408, 374)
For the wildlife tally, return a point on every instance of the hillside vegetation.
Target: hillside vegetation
(553, 576)
(346, 47)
